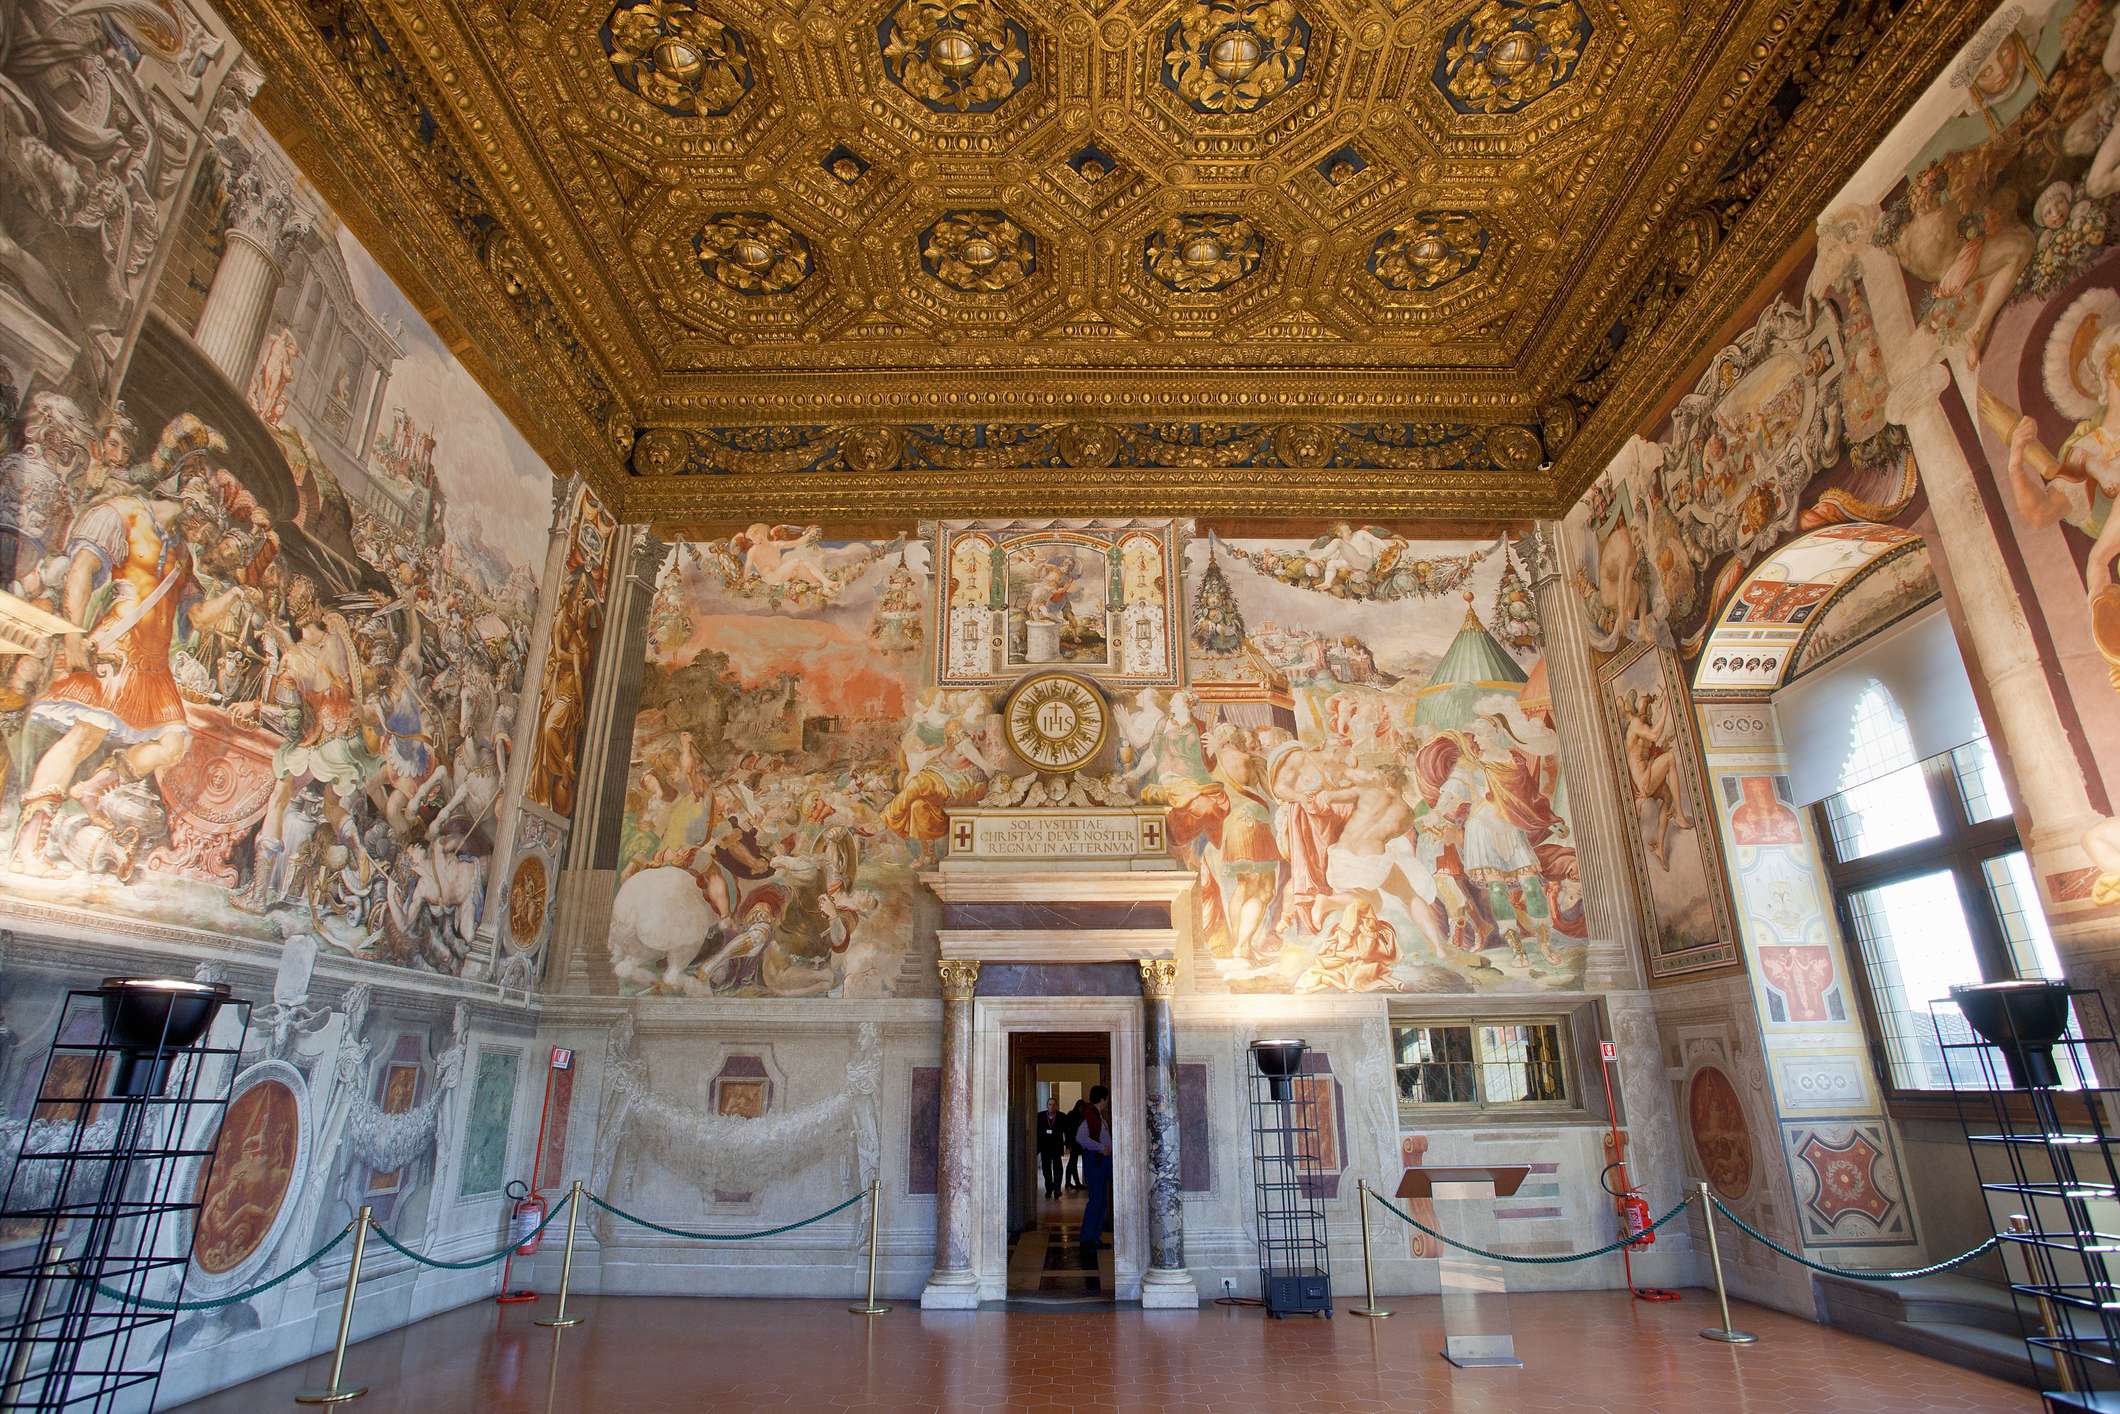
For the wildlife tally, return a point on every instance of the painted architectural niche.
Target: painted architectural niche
(1351, 736)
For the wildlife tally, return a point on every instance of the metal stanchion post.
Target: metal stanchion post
(335, 1392)
(1369, 1305)
(559, 1319)
(2064, 1377)
(1722, 1295)
(872, 1307)
(12, 1390)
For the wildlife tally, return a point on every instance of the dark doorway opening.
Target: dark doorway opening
(1047, 1259)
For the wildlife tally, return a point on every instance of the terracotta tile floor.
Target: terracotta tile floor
(1584, 1353)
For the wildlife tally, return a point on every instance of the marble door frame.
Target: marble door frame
(994, 1020)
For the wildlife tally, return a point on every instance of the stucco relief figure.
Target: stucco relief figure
(1652, 770)
(85, 155)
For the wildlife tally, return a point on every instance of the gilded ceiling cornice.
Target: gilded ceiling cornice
(1859, 89)
(876, 253)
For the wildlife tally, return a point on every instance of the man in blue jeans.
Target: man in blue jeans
(1095, 1139)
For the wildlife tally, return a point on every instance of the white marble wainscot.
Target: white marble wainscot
(1354, 1031)
(676, 1045)
(303, 1021)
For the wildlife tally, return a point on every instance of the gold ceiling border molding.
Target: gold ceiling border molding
(1235, 494)
(485, 299)
(1811, 156)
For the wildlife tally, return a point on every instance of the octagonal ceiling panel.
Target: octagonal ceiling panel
(1408, 259)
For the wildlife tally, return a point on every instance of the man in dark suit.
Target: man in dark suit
(1052, 1139)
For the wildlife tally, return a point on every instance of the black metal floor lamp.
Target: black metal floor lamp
(105, 1191)
(2043, 1149)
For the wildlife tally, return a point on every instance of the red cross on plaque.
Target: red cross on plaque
(962, 839)
(1151, 835)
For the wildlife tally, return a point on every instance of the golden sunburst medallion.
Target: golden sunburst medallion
(1055, 721)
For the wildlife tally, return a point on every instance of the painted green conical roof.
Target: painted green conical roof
(1475, 666)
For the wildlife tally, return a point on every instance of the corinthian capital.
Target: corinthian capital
(1159, 978)
(959, 977)
(262, 211)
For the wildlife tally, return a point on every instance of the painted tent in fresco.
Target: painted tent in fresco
(289, 588)
(1363, 770)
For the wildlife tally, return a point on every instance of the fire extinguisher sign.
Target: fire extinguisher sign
(1607, 1051)
(562, 1058)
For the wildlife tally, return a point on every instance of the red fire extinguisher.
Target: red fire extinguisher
(1634, 1219)
(529, 1213)
(523, 1219)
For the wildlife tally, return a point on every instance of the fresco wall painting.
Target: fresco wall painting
(284, 703)
(1678, 869)
(1360, 763)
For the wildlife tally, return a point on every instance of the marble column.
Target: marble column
(954, 1285)
(1595, 805)
(1166, 1283)
(262, 224)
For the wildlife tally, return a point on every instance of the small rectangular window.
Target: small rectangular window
(1480, 1064)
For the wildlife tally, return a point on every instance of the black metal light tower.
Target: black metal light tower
(117, 1125)
(1295, 1272)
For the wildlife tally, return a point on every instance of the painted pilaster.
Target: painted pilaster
(581, 961)
(528, 703)
(1166, 1283)
(2049, 783)
(262, 223)
(954, 1285)
(1615, 953)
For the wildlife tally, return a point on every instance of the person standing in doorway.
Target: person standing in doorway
(1052, 1140)
(1095, 1139)
(1074, 1150)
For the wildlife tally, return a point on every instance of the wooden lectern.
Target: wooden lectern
(1474, 1290)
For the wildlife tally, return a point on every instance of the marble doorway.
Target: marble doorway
(996, 1022)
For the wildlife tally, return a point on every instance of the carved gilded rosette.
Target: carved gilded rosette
(1199, 253)
(1233, 56)
(678, 57)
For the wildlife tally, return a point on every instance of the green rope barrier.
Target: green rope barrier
(212, 1303)
(1403, 1216)
(473, 1265)
(618, 1212)
(1859, 1275)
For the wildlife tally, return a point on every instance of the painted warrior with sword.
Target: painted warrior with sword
(128, 580)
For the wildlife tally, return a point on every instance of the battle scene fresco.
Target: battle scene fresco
(282, 588)
(789, 767)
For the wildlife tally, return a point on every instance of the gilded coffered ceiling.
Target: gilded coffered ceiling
(736, 258)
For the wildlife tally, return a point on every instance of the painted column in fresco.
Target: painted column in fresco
(2048, 779)
(262, 222)
(954, 1284)
(585, 893)
(1614, 960)
(1166, 1216)
(528, 704)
